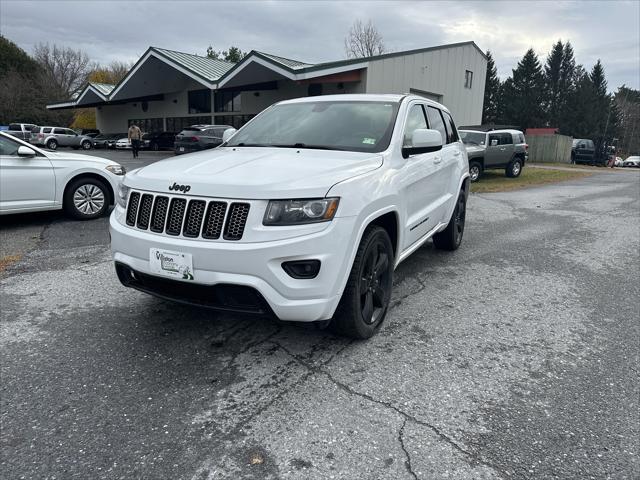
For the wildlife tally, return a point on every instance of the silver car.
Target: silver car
(54, 137)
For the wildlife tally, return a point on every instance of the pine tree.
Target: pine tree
(553, 74)
(567, 86)
(491, 93)
(523, 94)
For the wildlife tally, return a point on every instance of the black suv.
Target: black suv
(199, 137)
(158, 140)
(583, 151)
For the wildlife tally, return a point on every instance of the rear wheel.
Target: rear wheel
(52, 144)
(86, 198)
(514, 169)
(86, 145)
(451, 237)
(365, 299)
(475, 170)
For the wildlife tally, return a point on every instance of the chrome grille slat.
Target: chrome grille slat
(187, 217)
(144, 211)
(214, 220)
(132, 208)
(234, 228)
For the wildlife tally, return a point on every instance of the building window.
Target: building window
(468, 78)
(200, 101)
(228, 101)
(235, 121)
(176, 124)
(147, 125)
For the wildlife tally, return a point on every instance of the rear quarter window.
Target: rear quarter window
(15, 126)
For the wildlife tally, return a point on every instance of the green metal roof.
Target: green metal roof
(103, 88)
(285, 61)
(204, 67)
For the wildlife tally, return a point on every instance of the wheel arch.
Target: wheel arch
(95, 176)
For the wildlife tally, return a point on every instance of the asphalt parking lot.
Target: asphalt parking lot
(515, 357)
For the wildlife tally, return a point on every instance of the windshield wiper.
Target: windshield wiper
(242, 144)
(304, 145)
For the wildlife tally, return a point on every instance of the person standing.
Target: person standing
(135, 135)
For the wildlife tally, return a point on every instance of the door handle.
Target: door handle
(456, 154)
(503, 149)
(437, 159)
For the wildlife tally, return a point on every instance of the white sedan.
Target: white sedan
(32, 179)
(633, 161)
(123, 143)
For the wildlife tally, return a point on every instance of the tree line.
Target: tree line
(562, 94)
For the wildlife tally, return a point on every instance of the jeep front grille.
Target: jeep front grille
(192, 218)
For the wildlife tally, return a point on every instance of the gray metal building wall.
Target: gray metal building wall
(438, 74)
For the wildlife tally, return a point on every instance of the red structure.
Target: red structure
(541, 131)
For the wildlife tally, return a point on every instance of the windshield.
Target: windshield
(340, 125)
(472, 138)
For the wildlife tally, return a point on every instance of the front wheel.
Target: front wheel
(86, 145)
(475, 170)
(365, 299)
(514, 169)
(86, 198)
(451, 237)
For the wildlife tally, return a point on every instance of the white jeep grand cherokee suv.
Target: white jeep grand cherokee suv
(303, 214)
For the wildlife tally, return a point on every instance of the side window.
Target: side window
(68, 131)
(8, 147)
(415, 120)
(493, 137)
(46, 130)
(436, 122)
(451, 128)
(58, 131)
(505, 139)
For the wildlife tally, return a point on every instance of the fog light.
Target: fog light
(302, 269)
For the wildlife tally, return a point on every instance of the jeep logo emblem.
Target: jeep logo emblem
(180, 188)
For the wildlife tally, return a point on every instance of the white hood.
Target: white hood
(254, 173)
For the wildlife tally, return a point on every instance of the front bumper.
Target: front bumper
(255, 265)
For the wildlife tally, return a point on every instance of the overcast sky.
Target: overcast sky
(314, 31)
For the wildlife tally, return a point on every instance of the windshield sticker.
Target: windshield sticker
(369, 141)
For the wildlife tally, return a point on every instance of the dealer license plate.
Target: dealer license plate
(171, 264)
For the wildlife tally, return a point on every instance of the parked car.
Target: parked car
(20, 130)
(619, 162)
(583, 151)
(632, 161)
(32, 179)
(303, 214)
(199, 137)
(90, 132)
(495, 149)
(54, 137)
(158, 140)
(123, 143)
(107, 140)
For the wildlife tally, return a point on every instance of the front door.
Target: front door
(25, 182)
(417, 182)
(499, 151)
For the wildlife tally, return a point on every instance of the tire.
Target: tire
(52, 144)
(475, 171)
(155, 147)
(451, 237)
(96, 198)
(365, 300)
(514, 169)
(86, 145)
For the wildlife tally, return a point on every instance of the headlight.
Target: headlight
(116, 169)
(122, 195)
(300, 212)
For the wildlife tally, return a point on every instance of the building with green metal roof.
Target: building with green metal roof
(166, 90)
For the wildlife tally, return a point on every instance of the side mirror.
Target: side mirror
(423, 141)
(228, 133)
(494, 143)
(26, 151)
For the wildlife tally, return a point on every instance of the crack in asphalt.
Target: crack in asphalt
(470, 457)
(407, 462)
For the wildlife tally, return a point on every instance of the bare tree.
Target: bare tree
(363, 40)
(66, 69)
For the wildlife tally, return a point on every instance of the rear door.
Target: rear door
(25, 182)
